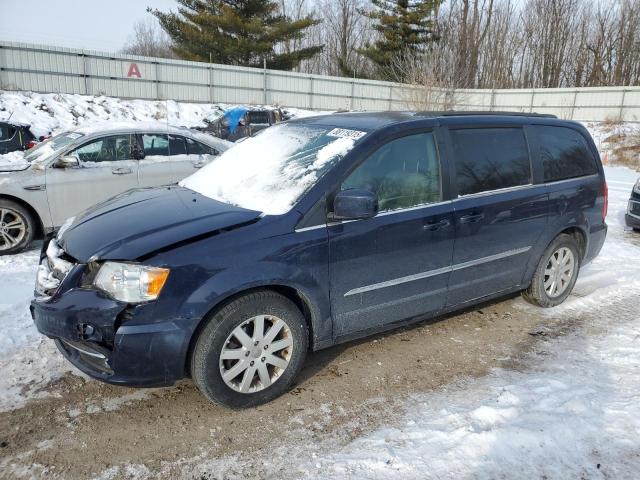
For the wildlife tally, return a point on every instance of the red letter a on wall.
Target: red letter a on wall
(134, 71)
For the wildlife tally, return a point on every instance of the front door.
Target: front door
(499, 213)
(395, 265)
(106, 169)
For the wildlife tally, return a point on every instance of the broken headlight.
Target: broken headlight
(130, 282)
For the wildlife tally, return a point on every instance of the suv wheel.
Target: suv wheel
(17, 227)
(250, 351)
(556, 274)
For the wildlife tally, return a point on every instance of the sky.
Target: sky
(90, 24)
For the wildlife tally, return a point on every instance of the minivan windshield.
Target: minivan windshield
(51, 146)
(271, 171)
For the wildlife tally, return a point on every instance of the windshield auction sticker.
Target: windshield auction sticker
(345, 133)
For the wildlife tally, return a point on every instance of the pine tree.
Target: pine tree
(236, 32)
(404, 28)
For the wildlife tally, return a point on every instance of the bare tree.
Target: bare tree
(148, 40)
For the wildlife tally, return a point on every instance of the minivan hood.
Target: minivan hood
(139, 222)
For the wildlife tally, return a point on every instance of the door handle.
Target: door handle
(472, 218)
(432, 227)
(121, 171)
(198, 164)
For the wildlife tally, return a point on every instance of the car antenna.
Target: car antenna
(10, 115)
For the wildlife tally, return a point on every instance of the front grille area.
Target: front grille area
(634, 207)
(53, 269)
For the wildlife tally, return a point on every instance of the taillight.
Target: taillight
(605, 207)
(31, 144)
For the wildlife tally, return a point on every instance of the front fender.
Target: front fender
(311, 286)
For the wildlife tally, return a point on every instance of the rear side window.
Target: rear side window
(403, 173)
(564, 153)
(490, 159)
(155, 144)
(197, 148)
(176, 145)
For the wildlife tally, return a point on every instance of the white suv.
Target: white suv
(80, 168)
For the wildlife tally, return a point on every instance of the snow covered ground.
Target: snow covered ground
(572, 410)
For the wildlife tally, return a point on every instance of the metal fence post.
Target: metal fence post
(157, 81)
(533, 92)
(390, 97)
(85, 75)
(493, 99)
(311, 94)
(353, 86)
(264, 86)
(573, 105)
(621, 112)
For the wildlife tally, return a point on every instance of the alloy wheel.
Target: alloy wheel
(559, 272)
(13, 228)
(256, 354)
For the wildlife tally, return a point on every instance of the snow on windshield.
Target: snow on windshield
(270, 171)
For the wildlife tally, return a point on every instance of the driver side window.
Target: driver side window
(105, 149)
(403, 173)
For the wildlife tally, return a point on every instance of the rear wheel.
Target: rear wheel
(556, 273)
(250, 351)
(17, 227)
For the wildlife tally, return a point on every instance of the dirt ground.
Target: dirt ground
(85, 428)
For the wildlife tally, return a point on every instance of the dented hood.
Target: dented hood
(139, 222)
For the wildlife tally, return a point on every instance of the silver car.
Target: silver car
(80, 168)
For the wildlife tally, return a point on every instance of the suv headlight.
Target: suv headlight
(636, 187)
(131, 283)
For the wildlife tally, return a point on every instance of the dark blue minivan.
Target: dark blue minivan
(314, 232)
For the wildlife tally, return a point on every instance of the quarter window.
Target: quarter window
(403, 173)
(490, 159)
(106, 149)
(564, 153)
(155, 145)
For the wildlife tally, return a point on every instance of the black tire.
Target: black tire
(536, 293)
(206, 362)
(12, 212)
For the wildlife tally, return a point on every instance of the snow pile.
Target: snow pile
(270, 171)
(53, 113)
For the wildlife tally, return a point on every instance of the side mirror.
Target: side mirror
(68, 161)
(354, 204)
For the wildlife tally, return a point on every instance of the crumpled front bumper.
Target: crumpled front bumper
(115, 342)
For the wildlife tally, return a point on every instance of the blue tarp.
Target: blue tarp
(233, 116)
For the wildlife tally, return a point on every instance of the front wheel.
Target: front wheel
(556, 273)
(250, 351)
(17, 227)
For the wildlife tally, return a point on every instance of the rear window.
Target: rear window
(564, 153)
(490, 159)
(258, 117)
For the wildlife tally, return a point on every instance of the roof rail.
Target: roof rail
(459, 113)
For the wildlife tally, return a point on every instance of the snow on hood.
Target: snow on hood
(270, 171)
